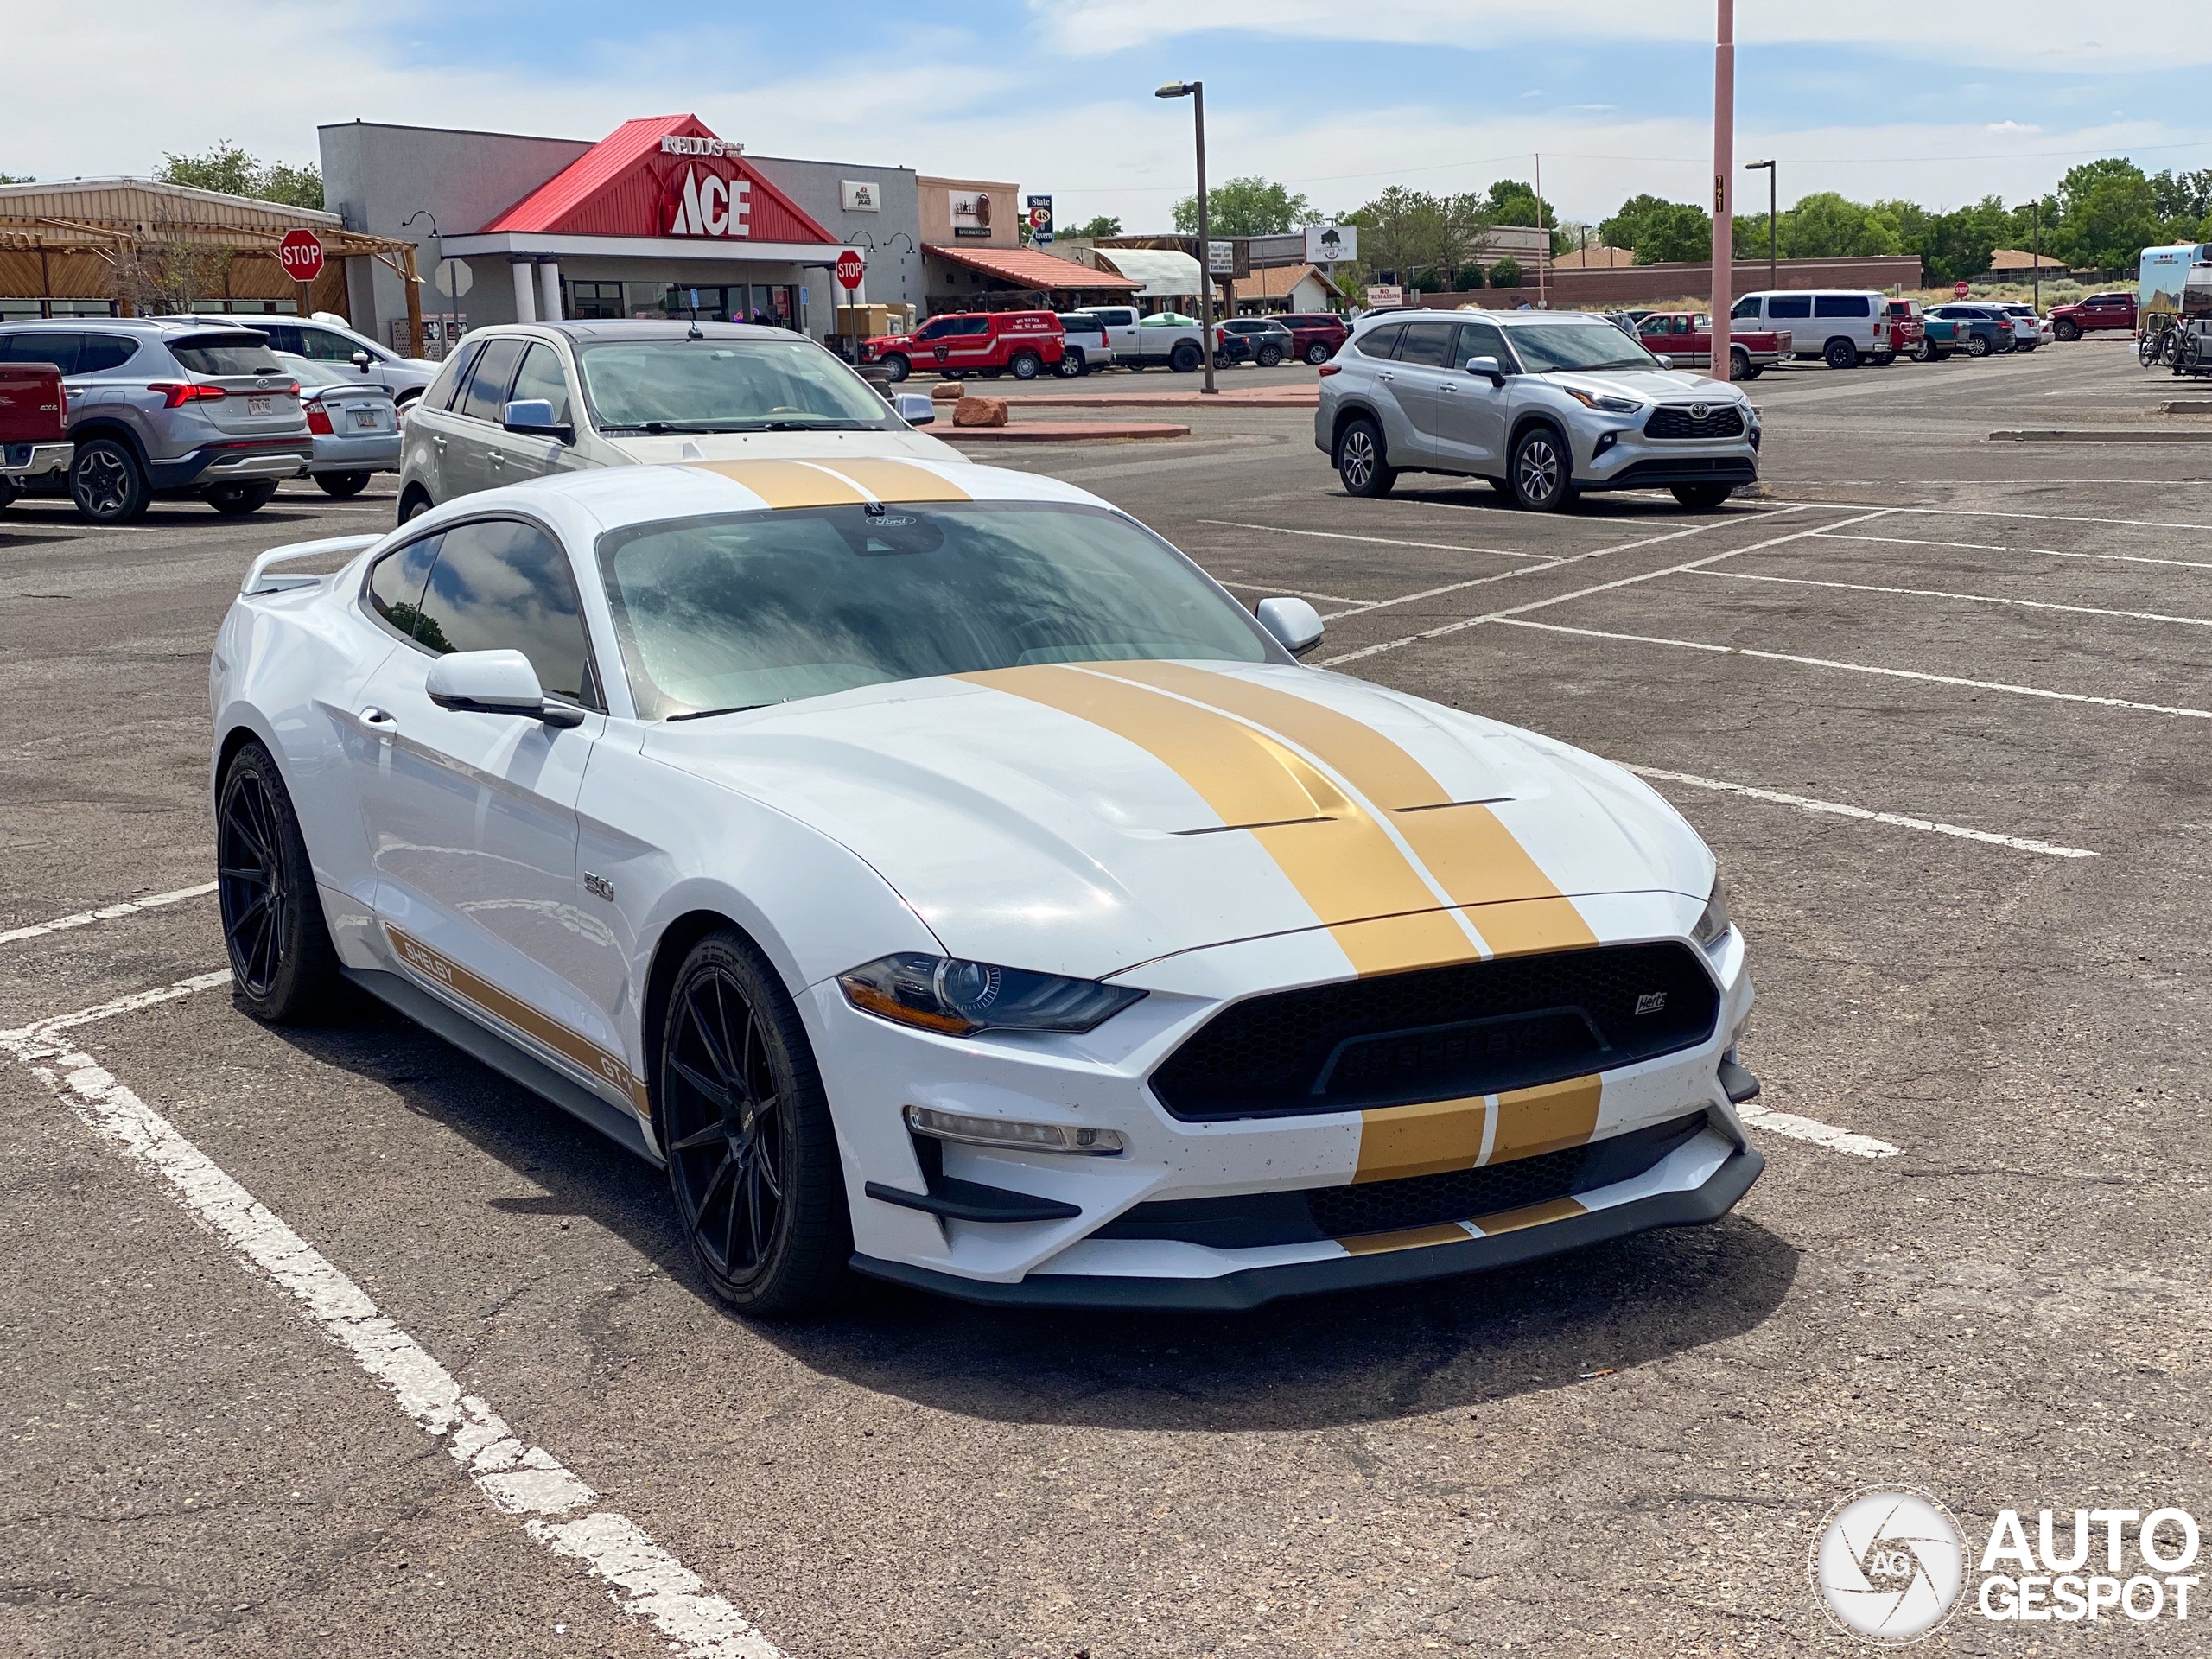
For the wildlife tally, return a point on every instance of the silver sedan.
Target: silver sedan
(355, 427)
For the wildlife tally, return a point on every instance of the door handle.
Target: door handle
(497, 459)
(1385, 374)
(438, 441)
(379, 721)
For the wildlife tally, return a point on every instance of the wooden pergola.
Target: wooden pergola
(90, 240)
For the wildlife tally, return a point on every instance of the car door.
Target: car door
(1472, 421)
(328, 346)
(512, 457)
(470, 818)
(1422, 379)
(465, 461)
(968, 344)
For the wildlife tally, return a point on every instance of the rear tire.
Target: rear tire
(341, 485)
(1978, 346)
(1025, 365)
(1923, 352)
(1069, 367)
(1739, 364)
(1542, 472)
(753, 1159)
(1360, 460)
(1841, 354)
(415, 503)
(1185, 358)
(1269, 357)
(1703, 497)
(896, 367)
(236, 500)
(107, 483)
(1316, 353)
(282, 960)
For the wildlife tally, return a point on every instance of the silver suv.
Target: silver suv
(1543, 404)
(325, 341)
(168, 408)
(527, 400)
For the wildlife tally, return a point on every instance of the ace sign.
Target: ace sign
(301, 254)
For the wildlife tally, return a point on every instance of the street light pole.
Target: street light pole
(1723, 148)
(1196, 91)
(1753, 166)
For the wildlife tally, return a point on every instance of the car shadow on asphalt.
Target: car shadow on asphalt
(1307, 1363)
(1599, 506)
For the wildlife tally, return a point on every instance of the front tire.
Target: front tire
(1703, 497)
(1542, 472)
(236, 500)
(896, 367)
(753, 1159)
(106, 482)
(1361, 462)
(1316, 353)
(1841, 354)
(2067, 329)
(282, 960)
(341, 485)
(1025, 365)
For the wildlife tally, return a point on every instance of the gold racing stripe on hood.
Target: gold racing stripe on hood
(897, 480)
(1469, 851)
(786, 483)
(1332, 851)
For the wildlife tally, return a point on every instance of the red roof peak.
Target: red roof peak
(634, 183)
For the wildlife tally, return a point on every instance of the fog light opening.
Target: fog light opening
(1080, 1141)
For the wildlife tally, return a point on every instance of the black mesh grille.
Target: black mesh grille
(1675, 421)
(1474, 1028)
(1687, 469)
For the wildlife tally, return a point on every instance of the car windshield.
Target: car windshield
(725, 386)
(742, 610)
(1547, 348)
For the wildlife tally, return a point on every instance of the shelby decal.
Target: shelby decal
(709, 206)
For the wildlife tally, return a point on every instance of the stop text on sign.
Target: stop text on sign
(301, 254)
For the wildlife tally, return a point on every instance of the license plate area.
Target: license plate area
(365, 419)
(261, 406)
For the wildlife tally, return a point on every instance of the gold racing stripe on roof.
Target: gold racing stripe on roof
(786, 483)
(1332, 851)
(897, 480)
(1467, 847)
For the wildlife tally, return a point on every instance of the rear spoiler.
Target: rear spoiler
(257, 580)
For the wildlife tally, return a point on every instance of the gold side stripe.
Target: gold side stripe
(1470, 852)
(474, 988)
(1333, 852)
(785, 483)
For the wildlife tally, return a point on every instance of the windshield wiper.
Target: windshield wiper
(825, 423)
(657, 428)
(734, 708)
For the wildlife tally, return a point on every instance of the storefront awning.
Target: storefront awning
(1161, 273)
(546, 244)
(1027, 268)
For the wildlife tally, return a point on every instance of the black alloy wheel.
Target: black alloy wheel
(249, 495)
(1841, 354)
(1542, 470)
(1316, 353)
(341, 485)
(752, 1159)
(1360, 461)
(1269, 356)
(1185, 358)
(106, 482)
(282, 960)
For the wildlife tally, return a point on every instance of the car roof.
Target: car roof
(163, 325)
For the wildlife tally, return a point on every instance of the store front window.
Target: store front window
(589, 301)
(774, 303)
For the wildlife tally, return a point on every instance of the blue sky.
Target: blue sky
(1876, 98)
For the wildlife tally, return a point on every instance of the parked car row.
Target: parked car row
(1026, 343)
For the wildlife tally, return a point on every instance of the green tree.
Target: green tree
(1952, 246)
(1506, 273)
(1828, 225)
(1403, 232)
(1512, 202)
(1659, 231)
(1103, 224)
(1247, 206)
(2109, 214)
(229, 169)
(16, 178)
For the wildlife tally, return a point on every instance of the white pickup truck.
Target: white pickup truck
(1165, 339)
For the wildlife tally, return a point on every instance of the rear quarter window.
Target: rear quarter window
(1380, 342)
(1841, 305)
(101, 352)
(221, 356)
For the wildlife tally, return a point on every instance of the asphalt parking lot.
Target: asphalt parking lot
(1942, 707)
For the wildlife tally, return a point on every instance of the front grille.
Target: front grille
(1675, 421)
(1250, 1221)
(1440, 1033)
(1687, 469)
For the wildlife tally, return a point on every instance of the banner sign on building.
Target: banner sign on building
(860, 196)
(1040, 221)
(971, 213)
(1221, 258)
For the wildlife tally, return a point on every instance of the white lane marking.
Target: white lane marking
(36, 1040)
(1381, 540)
(2042, 552)
(1584, 593)
(518, 1479)
(1837, 808)
(104, 913)
(1820, 1134)
(2040, 517)
(1978, 599)
(1863, 668)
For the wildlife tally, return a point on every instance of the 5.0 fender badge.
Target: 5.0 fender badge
(599, 886)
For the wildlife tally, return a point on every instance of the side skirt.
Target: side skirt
(504, 1057)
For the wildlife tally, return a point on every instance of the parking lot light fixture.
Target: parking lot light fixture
(1768, 166)
(1196, 91)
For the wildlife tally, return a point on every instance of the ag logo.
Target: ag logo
(1888, 1564)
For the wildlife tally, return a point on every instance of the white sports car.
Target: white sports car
(947, 880)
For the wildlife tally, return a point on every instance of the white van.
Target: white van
(1841, 328)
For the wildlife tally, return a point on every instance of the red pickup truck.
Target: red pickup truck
(2115, 309)
(34, 443)
(1021, 343)
(1907, 330)
(1687, 337)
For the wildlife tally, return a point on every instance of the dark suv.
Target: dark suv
(1315, 335)
(160, 408)
(1265, 341)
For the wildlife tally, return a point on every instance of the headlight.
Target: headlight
(961, 998)
(1712, 926)
(1604, 402)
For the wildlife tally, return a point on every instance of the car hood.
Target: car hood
(746, 446)
(1649, 385)
(1082, 820)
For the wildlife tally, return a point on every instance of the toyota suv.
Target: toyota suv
(168, 409)
(526, 400)
(1543, 404)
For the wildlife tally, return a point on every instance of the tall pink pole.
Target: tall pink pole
(1723, 161)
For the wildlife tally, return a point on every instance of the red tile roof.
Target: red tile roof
(1031, 269)
(623, 186)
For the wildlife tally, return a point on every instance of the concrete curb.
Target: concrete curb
(2124, 436)
(1065, 431)
(1286, 398)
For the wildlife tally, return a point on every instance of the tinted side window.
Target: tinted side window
(326, 346)
(488, 387)
(445, 390)
(1482, 339)
(542, 376)
(972, 325)
(502, 586)
(61, 350)
(395, 590)
(1842, 305)
(1381, 342)
(1428, 344)
(1789, 305)
(283, 337)
(100, 353)
(1745, 308)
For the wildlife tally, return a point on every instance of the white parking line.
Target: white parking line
(1978, 599)
(1380, 540)
(1837, 808)
(2040, 517)
(1863, 668)
(1820, 1134)
(562, 1512)
(105, 913)
(36, 1041)
(2042, 552)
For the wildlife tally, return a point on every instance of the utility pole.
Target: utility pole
(1723, 147)
(1543, 236)
(2038, 251)
(1753, 166)
(1196, 91)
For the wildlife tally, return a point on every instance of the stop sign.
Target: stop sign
(301, 254)
(1958, 289)
(850, 270)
